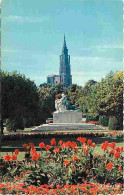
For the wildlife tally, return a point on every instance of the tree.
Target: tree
(47, 95)
(20, 99)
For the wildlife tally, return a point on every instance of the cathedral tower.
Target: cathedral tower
(64, 70)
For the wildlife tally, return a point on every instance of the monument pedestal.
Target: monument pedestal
(66, 126)
(68, 116)
(66, 120)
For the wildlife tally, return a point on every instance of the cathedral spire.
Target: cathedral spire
(64, 40)
(64, 45)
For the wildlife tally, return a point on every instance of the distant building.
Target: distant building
(64, 69)
(53, 79)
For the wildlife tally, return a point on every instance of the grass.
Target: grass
(64, 131)
(18, 130)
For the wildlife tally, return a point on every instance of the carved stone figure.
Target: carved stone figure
(61, 104)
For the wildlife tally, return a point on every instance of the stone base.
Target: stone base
(66, 126)
(69, 116)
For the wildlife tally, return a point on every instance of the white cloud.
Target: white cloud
(26, 19)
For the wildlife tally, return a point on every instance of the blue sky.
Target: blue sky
(33, 31)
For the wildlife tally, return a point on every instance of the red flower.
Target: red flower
(119, 168)
(89, 141)
(111, 151)
(16, 151)
(117, 149)
(35, 156)
(73, 144)
(63, 146)
(41, 145)
(31, 145)
(75, 158)
(112, 145)
(68, 144)
(87, 171)
(33, 152)
(117, 155)
(81, 139)
(60, 142)
(85, 150)
(104, 145)
(53, 142)
(56, 150)
(121, 149)
(93, 145)
(66, 162)
(47, 147)
(7, 158)
(75, 149)
(109, 166)
(24, 145)
(84, 189)
(14, 157)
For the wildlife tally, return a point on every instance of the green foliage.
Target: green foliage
(47, 95)
(113, 123)
(87, 118)
(20, 99)
(3, 167)
(73, 93)
(36, 177)
(9, 125)
(91, 118)
(103, 98)
(103, 120)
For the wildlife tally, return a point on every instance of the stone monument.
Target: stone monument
(65, 113)
(66, 117)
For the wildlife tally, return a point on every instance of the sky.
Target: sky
(32, 33)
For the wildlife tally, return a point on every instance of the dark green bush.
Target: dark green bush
(87, 118)
(12, 125)
(18, 124)
(113, 123)
(103, 120)
(92, 118)
(29, 123)
(100, 120)
(9, 125)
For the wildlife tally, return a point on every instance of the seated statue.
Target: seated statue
(62, 104)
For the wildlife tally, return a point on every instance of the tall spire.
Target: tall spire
(64, 45)
(64, 40)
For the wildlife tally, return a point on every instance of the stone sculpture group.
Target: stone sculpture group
(61, 105)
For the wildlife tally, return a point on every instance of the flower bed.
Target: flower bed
(93, 122)
(86, 189)
(22, 136)
(63, 168)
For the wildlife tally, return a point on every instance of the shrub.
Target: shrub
(87, 118)
(103, 120)
(113, 123)
(28, 123)
(9, 125)
(18, 124)
(12, 125)
(91, 118)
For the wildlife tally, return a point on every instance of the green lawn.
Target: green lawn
(64, 131)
